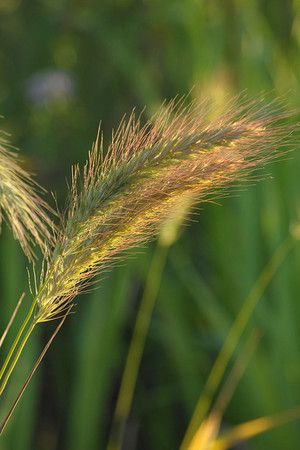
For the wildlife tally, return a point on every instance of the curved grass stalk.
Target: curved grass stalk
(231, 341)
(208, 430)
(208, 436)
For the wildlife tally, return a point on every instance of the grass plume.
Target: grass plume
(21, 205)
(124, 194)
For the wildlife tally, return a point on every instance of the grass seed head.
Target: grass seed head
(21, 205)
(123, 194)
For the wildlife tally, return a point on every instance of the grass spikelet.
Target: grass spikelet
(20, 204)
(121, 196)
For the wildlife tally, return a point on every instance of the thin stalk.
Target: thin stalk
(210, 427)
(17, 339)
(236, 373)
(11, 320)
(17, 356)
(136, 348)
(20, 333)
(233, 337)
(34, 369)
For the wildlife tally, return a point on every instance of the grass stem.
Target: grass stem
(16, 342)
(233, 337)
(136, 348)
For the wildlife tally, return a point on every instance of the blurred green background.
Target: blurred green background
(64, 66)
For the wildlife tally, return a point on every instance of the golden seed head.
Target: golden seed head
(123, 194)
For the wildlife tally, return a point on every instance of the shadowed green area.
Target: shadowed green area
(64, 66)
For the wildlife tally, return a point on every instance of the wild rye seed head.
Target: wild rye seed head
(123, 194)
(20, 204)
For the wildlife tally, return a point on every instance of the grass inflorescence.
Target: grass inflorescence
(126, 191)
(121, 196)
(21, 205)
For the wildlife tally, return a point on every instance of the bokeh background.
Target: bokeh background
(66, 65)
